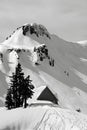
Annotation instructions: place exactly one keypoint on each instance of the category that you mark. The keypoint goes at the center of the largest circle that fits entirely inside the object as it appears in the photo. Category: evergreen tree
(9, 102)
(13, 98)
(20, 89)
(27, 90)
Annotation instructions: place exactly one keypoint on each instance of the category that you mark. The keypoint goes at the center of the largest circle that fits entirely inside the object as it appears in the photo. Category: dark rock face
(25, 29)
(42, 52)
(38, 30)
(1, 57)
(78, 110)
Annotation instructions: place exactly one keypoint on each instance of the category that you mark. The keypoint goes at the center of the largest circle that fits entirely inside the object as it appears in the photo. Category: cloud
(66, 18)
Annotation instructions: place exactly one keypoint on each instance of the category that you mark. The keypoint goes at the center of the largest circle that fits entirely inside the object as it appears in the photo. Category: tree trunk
(25, 103)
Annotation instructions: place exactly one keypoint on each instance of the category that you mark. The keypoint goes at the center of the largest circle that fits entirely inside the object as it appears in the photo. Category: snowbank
(42, 118)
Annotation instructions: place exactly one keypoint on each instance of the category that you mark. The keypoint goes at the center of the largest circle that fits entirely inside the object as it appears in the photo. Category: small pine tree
(20, 89)
(9, 102)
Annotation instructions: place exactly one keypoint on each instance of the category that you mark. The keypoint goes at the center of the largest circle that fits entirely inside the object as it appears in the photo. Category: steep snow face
(18, 40)
(49, 60)
(12, 59)
(49, 118)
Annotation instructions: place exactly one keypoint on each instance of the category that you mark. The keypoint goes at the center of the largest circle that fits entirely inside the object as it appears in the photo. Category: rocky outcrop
(37, 29)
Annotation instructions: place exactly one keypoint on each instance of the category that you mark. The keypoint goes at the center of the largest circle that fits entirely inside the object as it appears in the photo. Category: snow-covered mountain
(50, 61)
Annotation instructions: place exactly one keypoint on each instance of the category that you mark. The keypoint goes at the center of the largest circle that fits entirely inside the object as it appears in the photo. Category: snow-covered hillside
(44, 118)
(49, 60)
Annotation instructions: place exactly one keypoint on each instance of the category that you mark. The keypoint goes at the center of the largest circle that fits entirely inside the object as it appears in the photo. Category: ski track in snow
(53, 120)
(48, 118)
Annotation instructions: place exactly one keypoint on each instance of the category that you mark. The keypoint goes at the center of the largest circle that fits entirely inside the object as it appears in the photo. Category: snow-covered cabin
(44, 95)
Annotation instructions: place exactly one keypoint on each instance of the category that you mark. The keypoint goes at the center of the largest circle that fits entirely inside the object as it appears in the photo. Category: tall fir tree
(20, 89)
(27, 90)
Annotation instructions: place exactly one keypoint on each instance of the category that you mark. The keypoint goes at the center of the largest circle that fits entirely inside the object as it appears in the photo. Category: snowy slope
(49, 60)
(49, 118)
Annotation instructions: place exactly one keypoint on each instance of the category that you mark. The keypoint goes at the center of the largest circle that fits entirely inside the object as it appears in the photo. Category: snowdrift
(42, 118)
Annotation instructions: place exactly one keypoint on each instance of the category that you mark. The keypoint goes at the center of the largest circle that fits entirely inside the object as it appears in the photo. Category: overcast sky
(66, 18)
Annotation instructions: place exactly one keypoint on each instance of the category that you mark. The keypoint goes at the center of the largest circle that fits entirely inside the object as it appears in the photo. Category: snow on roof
(37, 92)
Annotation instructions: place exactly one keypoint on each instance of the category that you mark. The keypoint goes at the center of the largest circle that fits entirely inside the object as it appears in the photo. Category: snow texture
(42, 118)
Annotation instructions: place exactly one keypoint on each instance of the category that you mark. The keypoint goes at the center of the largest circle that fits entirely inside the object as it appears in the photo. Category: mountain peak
(37, 29)
(30, 29)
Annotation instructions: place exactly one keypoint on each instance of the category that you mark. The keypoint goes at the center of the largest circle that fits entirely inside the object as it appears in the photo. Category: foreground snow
(42, 118)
